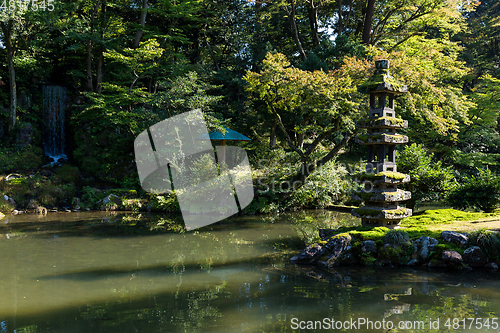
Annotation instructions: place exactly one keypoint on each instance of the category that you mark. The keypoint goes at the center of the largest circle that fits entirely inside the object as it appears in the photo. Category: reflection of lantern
(381, 195)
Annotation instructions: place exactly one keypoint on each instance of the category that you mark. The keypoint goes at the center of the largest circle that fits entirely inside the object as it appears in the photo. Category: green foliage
(444, 216)
(429, 179)
(20, 160)
(487, 240)
(396, 237)
(108, 125)
(68, 174)
(392, 254)
(164, 203)
(481, 191)
(273, 171)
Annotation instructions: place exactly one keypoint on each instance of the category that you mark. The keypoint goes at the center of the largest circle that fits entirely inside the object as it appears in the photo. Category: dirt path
(490, 224)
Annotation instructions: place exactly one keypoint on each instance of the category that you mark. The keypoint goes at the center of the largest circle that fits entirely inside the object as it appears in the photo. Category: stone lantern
(381, 195)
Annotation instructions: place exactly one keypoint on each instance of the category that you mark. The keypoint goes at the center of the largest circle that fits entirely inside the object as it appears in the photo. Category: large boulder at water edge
(308, 255)
(455, 237)
(474, 257)
(451, 257)
(423, 247)
(334, 248)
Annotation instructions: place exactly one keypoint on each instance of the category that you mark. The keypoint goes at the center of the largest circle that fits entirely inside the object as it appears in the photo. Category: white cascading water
(54, 106)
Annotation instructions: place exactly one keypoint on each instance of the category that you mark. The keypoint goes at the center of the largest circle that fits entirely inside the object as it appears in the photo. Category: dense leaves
(480, 191)
(282, 72)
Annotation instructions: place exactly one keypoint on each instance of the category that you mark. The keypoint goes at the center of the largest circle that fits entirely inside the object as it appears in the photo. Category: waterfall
(54, 106)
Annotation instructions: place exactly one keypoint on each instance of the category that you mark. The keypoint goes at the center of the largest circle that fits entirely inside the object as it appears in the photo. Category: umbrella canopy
(230, 135)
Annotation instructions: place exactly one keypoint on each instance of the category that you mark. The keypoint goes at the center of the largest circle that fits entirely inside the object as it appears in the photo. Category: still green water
(66, 272)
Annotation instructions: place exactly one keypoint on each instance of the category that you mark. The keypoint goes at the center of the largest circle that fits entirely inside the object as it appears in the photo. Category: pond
(65, 272)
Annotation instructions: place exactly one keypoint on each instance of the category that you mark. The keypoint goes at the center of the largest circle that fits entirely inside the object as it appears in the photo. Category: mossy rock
(384, 177)
(383, 122)
(382, 82)
(381, 214)
(382, 196)
(381, 139)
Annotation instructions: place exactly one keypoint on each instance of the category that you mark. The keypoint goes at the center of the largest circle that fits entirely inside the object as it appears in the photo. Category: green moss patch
(388, 174)
(366, 138)
(445, 216)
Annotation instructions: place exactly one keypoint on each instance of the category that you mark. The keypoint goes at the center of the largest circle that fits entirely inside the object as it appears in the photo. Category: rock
(423, 247)
(452, 257)
(334, 249)
(347, 257)
(309, 254)
(455, 237)
(436, 264)
(474, 257)
(109, 199)
(368, 246)
(324, 234)
(12, 202)
(13, 176)
(33, 204)
(41, 210)
(412, 262)
(491, 266)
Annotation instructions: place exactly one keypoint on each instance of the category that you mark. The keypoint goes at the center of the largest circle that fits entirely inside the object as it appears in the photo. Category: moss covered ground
(431, 223)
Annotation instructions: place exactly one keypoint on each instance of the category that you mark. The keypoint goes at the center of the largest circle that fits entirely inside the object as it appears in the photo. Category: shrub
(20, 160)
(396, 237)
(481, 191)
(486, 240)
(429, 179)
(68, 174)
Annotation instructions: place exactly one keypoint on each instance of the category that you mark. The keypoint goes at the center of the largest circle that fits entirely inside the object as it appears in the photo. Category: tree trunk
(308, 168)
(90, 85)
(100, 65)
(90, 47)
(100, 61)
(313, 22)
(340, 25)
(7, 33)
(142, 22)
(295, 30)
(272, 137)
(367, 27)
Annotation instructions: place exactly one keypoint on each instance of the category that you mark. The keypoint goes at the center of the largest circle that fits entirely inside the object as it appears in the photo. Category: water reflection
(230, 277)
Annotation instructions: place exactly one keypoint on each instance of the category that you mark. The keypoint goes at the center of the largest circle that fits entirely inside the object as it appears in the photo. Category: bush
(396, 237)
(481, 191)
(429, 180)
(21, 160)
(486, 240)
(325, 186)
(68, 174)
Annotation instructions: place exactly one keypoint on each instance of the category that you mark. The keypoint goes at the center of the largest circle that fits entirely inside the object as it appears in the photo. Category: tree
(16, 24)
(481, 191)
(309, 107)
(429, 180)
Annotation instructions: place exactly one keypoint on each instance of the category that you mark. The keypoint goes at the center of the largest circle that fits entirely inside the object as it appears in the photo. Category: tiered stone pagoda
(381, 195)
